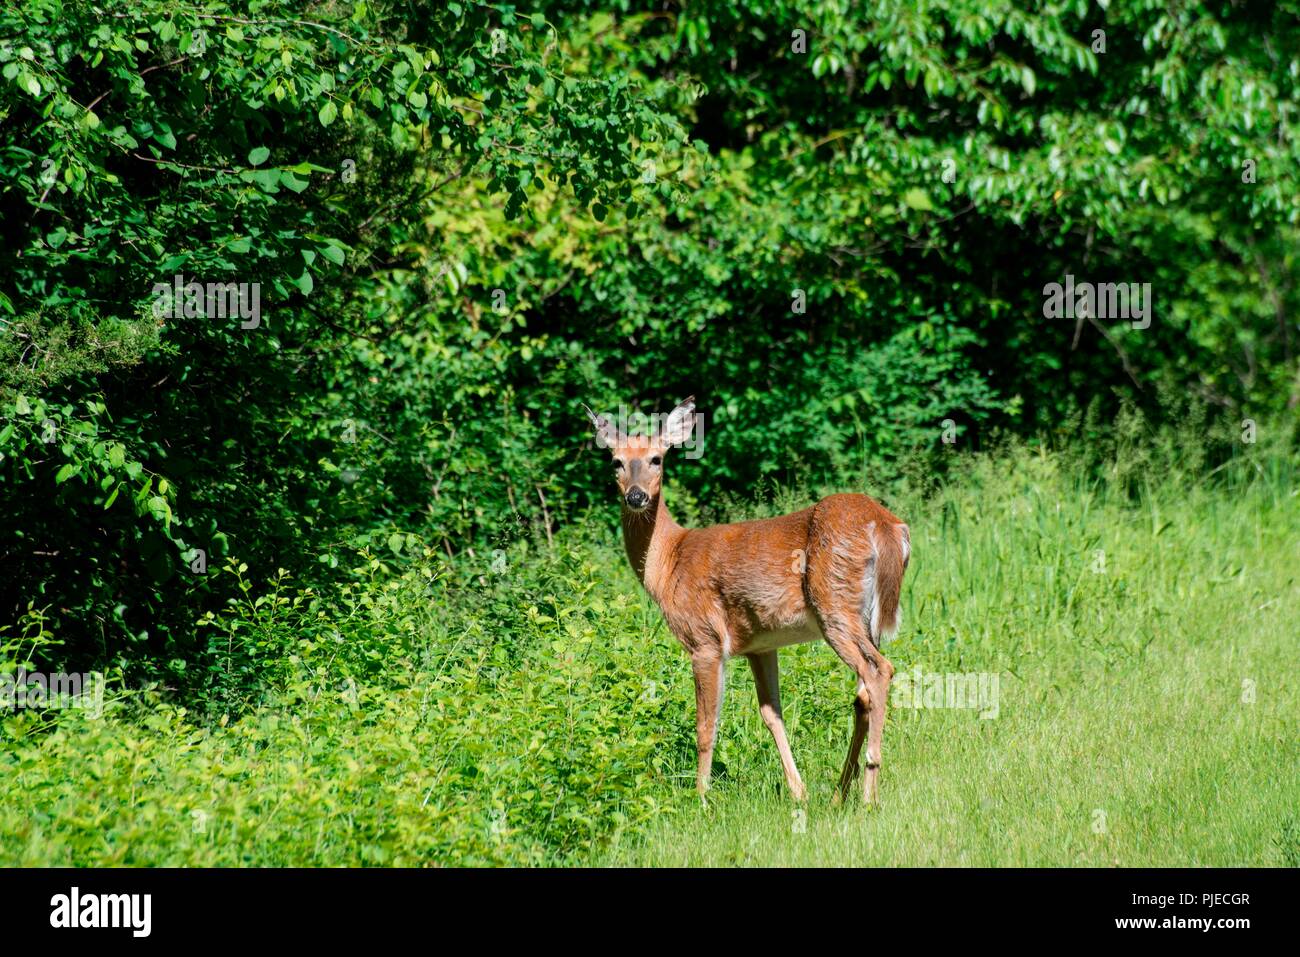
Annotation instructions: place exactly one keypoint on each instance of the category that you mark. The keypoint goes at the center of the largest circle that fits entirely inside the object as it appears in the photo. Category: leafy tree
(833, 223)
(281, 149)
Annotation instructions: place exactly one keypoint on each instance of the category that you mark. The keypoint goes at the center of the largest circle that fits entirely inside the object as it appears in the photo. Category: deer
(833, 571)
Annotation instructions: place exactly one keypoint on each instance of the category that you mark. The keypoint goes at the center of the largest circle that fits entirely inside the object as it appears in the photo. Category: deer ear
(680, 422)
(606, 434)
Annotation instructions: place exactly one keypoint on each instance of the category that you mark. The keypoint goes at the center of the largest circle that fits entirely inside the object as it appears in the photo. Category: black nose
(637, 498)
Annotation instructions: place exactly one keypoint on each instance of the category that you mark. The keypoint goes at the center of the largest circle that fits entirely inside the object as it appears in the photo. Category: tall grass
(1147, 710)
(535, 711)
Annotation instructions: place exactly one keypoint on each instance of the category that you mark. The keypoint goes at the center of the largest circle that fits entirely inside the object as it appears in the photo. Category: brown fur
(748, 588)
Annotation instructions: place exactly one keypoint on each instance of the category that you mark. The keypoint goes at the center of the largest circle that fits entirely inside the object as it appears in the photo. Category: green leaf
(268, 179)
(917, 199)
(65, 473)
(328, 113)
(258, 156)
(1028, 80)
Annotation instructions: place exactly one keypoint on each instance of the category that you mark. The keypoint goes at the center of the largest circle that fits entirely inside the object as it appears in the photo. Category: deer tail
(892, 545)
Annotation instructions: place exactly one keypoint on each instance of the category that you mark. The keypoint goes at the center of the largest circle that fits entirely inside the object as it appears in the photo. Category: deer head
(638, 459)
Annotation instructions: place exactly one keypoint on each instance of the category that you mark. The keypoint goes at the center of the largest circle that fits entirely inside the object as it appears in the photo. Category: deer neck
(651, 538)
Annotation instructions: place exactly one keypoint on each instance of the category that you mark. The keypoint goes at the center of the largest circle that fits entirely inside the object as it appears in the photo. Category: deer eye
(656, 460)
(618, 465)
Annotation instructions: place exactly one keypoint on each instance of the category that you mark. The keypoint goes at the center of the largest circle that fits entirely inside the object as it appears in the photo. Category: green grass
(1154, 762)
(1144, 646)
(1147, 711)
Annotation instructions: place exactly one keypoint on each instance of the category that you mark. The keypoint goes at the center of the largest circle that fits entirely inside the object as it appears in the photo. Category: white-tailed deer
(832, 571)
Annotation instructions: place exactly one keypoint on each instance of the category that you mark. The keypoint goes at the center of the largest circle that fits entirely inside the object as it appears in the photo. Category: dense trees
(832, 222)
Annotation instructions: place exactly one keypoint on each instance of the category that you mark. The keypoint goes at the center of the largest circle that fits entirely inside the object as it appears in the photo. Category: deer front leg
(851, 766)
(708, 667)
(767, 682)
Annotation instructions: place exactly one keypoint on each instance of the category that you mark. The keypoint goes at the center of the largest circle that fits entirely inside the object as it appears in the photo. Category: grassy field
(1147, 712)
(1142, 643)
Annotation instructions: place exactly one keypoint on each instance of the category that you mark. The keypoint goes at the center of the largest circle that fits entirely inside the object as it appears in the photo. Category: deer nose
(636, 498)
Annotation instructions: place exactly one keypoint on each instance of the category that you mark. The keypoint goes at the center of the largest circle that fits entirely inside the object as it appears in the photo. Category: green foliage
(537, 712)
(249, 144)
(499, 736)
(437, 228)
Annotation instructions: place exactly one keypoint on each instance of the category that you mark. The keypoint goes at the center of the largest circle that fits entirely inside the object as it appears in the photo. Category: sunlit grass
(1143, 645)
(1147, 711)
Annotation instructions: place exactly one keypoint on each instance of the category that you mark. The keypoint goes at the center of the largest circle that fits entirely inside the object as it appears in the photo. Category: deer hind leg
(767, 681)
(878, 699)
(709, 668)
(848, 636)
